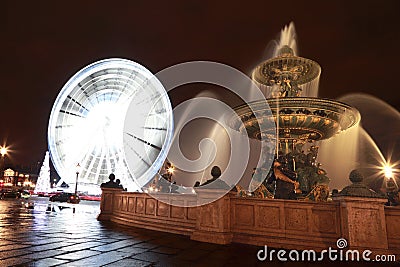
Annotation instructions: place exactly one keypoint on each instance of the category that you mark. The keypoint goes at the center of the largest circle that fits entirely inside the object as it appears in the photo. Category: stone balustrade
(365, 223)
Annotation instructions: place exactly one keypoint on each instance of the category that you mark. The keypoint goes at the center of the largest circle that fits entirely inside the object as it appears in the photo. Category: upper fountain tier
(286, 73)
(299, 115)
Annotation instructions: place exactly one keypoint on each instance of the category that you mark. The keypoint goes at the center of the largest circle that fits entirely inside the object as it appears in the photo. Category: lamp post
(3, 152)
(170, 170)
(78, 167)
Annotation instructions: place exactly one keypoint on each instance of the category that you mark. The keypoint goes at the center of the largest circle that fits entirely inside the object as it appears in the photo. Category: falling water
(310, 89)
(338, 156)
(205, 143)
(359, 147)
(380, 139)
(371, 160)
(190, 141)
(380, 120)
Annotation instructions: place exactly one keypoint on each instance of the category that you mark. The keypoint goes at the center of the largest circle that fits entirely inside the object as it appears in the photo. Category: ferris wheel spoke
(83, 90)
(139, 156)
(63, 126)
(103, 158)
(61, 141)
(155, 128)
(77, 102)
(70, 113)
(142, 159)
(89, 161)
(144, 141)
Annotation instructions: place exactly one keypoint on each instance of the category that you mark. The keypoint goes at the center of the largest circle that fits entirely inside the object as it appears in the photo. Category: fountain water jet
(332, 159)
(379, 132)
(287, 37)
(380, 120)
(203, 141)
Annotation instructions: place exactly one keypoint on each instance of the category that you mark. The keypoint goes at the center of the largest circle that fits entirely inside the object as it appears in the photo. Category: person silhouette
(119, 185)
(110, 183)
(214, 182)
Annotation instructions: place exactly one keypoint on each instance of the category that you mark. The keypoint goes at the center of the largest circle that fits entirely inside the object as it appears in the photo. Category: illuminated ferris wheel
(112, 116)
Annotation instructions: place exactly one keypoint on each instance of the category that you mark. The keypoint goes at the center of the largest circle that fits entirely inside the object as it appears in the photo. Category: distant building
(17, 178)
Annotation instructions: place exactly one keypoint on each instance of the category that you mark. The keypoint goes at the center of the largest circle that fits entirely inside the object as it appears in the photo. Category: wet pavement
(60, 234)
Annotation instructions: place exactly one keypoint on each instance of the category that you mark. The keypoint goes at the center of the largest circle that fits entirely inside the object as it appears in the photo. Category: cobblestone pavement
(61, 235)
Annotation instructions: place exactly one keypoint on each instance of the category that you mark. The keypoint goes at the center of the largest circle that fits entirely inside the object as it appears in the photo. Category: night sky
(43, 43)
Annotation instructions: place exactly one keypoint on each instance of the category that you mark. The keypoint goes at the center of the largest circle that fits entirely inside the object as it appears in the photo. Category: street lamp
(78, 168)
(3, 152)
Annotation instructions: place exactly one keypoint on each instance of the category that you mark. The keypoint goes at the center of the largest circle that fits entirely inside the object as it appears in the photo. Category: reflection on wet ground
(35, 211)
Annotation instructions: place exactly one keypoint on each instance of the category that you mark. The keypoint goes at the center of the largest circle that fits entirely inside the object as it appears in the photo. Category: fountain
(289, 83)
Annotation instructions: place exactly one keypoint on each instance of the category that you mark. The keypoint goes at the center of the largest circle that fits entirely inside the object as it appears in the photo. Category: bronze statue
(285, 187)
(392, 193)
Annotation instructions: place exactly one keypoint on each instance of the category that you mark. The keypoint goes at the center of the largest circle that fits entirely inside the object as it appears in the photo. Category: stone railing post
(213, 219)
(362, 212)
(363, 222)
(107, 203)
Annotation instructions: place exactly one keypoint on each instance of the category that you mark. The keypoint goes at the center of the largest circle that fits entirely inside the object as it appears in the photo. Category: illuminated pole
(388, 171)
(3, 152)
(392, 190)
(170, 171)
(78, 166)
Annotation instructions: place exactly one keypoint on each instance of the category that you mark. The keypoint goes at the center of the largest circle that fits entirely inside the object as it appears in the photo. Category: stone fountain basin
(304, 118)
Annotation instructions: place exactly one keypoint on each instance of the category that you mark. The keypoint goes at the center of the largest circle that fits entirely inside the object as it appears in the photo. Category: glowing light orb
(170, 170)
(94, 118)
(388, 171)
(3, 151)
